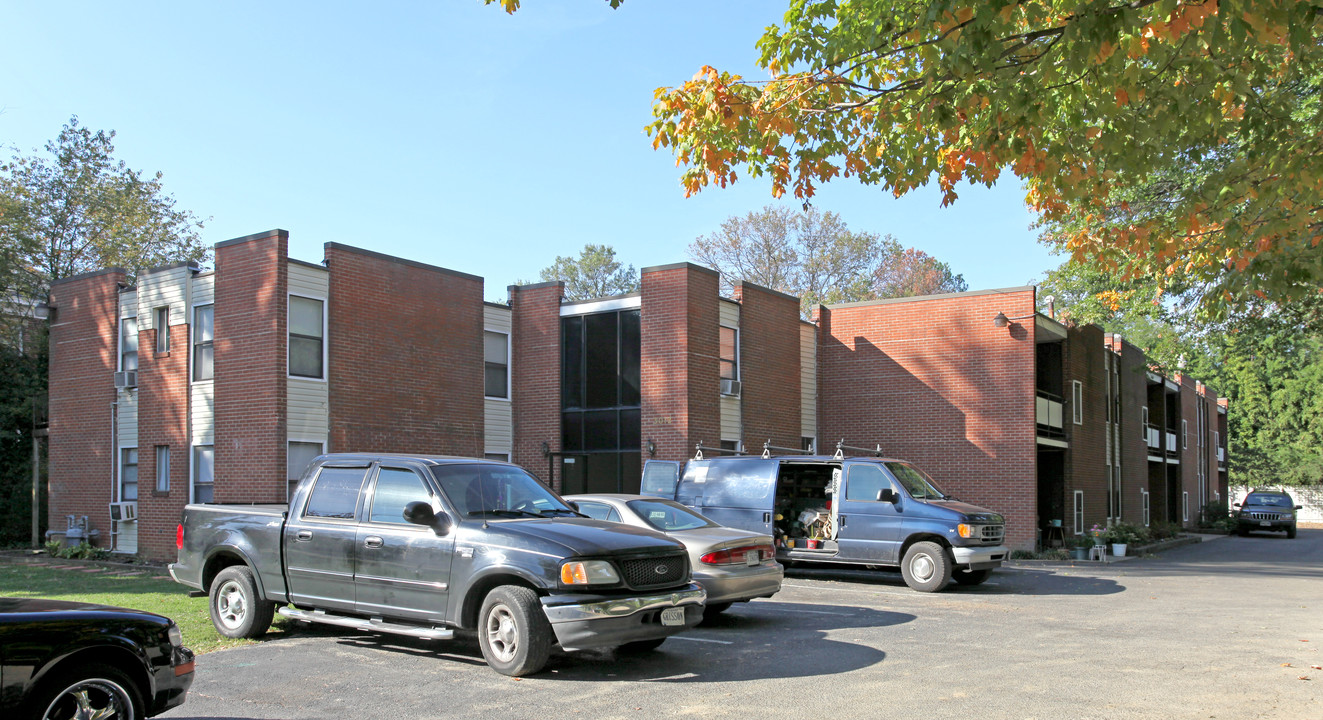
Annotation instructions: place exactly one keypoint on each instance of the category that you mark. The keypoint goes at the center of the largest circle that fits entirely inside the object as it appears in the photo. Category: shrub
(81, 551)
(1128, 533)
(1213, 514)
(1164, 530)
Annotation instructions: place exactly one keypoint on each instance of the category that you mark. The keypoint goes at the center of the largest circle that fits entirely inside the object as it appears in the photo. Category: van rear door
(660, 478)
(735, 492)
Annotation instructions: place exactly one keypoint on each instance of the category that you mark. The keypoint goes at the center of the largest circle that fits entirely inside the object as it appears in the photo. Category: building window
(204, 473)
(1077, 401)
(1143, 425)
(128, 474)
(1185, 434)
(305, 337)
(808, 445)
(297, 459)
(1143, 494)
(730, 353)
(162, 468)
(128, 344)
(1185, 507)
(731, 446)
(503, 457)
(601, 415)
(496, 351)
(161, 321)
(1079, 512)
(204, 335)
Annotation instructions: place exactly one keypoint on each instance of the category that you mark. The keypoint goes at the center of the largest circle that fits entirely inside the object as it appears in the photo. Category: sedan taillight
(739, 555)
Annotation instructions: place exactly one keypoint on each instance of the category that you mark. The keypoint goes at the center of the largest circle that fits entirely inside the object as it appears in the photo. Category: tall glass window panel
(602, 366)
(305, 337)
(630, 347)
(204, 473)
(496, 351)
(204, 335)
(162, 468)
(571, 362)
(128, 344)
(729, 354)
(128, 475)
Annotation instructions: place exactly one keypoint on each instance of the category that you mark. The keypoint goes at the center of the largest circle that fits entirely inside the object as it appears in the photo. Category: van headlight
(970, 531)
(588, 572)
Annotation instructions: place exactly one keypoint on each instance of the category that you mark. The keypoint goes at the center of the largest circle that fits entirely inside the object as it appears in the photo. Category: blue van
(828, 508)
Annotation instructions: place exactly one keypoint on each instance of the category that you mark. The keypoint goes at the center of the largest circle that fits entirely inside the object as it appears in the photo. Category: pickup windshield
(497, 491)
(916, 482)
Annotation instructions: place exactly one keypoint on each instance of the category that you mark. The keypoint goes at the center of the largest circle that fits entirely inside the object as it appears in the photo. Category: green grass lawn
(132, 586)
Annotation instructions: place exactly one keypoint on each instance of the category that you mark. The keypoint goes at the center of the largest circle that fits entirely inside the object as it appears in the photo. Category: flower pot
(1079, 553)
(1118, 549)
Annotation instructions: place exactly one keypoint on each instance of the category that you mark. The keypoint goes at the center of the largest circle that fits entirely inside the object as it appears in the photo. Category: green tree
(595, 273)
(816, 257)
(1091, 103)
(77, 208)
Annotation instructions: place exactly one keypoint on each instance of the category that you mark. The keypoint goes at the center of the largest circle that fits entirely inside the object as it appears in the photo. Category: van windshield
(916, 482)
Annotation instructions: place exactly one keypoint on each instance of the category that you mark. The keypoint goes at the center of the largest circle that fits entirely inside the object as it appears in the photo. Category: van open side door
(660, 478)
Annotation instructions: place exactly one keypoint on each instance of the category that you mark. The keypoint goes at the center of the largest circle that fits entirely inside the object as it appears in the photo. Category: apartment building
(220, 386)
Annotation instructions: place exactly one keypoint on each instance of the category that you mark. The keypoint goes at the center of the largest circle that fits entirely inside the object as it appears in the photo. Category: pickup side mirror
(420, 513)
(887, 495)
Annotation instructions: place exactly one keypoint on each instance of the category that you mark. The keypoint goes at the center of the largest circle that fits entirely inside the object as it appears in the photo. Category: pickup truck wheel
(926, 567)
(971, 577)
(513, 631)
(236, 609)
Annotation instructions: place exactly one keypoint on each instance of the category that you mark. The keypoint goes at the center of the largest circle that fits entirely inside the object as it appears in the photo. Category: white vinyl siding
(306, 408)
(498, 419)
(310, 281)
(126, 431)
(808, 380)
(163, 289)
(728, 315)
(202, 410)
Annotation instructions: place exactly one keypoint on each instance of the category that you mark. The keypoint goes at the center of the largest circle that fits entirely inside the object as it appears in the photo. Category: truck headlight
(588, 572)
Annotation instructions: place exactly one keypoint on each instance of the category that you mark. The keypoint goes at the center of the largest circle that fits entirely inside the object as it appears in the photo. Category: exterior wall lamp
(1001, 321)
(652, 448)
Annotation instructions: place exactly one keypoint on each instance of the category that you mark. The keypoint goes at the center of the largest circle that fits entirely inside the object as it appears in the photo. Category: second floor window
(305, 337)
(204, 333)
(128, 344)
(730, 355)
(496, 349)
(161, 321)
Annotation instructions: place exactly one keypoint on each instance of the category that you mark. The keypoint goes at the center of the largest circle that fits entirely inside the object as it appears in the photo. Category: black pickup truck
(421, 546)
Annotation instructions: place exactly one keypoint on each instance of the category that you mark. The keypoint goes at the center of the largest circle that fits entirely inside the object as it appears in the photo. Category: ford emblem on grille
(661, 569)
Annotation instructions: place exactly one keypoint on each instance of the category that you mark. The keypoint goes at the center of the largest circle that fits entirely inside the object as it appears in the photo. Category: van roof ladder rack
(700, 447)
(841, 447)
(768, 447)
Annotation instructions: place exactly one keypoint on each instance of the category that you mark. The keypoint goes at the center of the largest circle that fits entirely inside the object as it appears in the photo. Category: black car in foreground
(1266, 510)
(66, 660)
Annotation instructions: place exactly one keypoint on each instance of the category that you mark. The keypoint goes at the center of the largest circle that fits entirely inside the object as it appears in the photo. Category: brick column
(770, 360)
(680, 368)
(163, 388)
(535, 374)
(252, 284)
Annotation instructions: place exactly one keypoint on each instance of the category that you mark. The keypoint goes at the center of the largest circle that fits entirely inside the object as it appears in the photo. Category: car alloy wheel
(91, 699)
(502, 633)
(231, 604)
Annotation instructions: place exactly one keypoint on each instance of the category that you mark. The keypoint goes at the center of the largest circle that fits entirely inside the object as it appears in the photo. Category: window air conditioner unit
(730, 387)
(124, 511)
(126, 379)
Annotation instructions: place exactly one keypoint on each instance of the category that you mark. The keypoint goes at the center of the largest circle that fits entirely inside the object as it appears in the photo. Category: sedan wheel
(91, 693)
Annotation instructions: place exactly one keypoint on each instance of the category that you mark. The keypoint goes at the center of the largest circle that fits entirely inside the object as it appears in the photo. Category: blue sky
(445, 132)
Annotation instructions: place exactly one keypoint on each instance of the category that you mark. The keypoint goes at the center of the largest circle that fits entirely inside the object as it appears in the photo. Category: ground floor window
(1143, 495)
(1079, 512)
(128, 474)
(162, 468)
(297, 459)
(1185, 507)
(503, 457)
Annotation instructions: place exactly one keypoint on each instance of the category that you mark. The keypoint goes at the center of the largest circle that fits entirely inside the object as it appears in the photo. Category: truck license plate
(1264, 523)
(673, 616)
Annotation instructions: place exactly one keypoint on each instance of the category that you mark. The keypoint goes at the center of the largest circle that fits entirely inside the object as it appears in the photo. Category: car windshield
(916, 482)
(498, 491)
(668, 515)
(1274, 500)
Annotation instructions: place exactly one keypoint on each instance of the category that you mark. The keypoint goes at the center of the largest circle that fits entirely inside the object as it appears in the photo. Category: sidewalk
(113, 567)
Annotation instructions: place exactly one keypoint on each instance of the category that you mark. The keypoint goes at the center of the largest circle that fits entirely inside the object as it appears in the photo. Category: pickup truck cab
(855, 510)
(423, 545)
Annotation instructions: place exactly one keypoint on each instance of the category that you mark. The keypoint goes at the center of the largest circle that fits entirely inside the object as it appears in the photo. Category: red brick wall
(1134, 448)
(163, 388)
(680, 371)
(406, 356)
(1187, 443)
(535, 374)
(251, 301)
(936, 383)
(83, 358)
(769, 354)
(1086, 459)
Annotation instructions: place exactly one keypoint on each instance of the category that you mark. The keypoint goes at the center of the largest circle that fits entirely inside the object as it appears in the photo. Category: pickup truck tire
(236, 609)
(971, 577)
(513, 632)
(926, 567)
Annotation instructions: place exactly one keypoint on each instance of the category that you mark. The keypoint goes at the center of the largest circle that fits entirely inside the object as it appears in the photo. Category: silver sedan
(732, 565)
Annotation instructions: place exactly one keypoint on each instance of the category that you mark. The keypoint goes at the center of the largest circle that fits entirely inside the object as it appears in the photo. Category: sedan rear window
(666, 516)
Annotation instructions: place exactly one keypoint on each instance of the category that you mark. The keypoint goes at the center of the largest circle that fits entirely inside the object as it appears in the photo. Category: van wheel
(236, 609)
(513, 631)
(926, 567)
(971, 577)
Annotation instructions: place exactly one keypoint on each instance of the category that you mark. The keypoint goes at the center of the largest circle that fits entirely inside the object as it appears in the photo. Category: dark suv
(1266, 510)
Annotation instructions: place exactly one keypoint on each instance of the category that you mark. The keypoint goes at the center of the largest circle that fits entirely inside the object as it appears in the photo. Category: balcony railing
(1221, 456)
(1171, 443)
(1153, 437)
(1048, 415)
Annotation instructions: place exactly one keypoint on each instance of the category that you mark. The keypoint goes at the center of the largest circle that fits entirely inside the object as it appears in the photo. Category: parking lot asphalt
(1222, 629)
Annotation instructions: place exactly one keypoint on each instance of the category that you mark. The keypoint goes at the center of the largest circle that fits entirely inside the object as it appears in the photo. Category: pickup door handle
(372, 541)
(303, 535)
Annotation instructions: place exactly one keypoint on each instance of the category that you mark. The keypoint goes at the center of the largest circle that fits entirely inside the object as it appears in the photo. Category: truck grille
(993, 534)
(664, 571)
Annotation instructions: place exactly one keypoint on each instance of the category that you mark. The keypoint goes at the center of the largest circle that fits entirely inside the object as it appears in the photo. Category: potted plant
(1121, 535)
(1080, 549)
